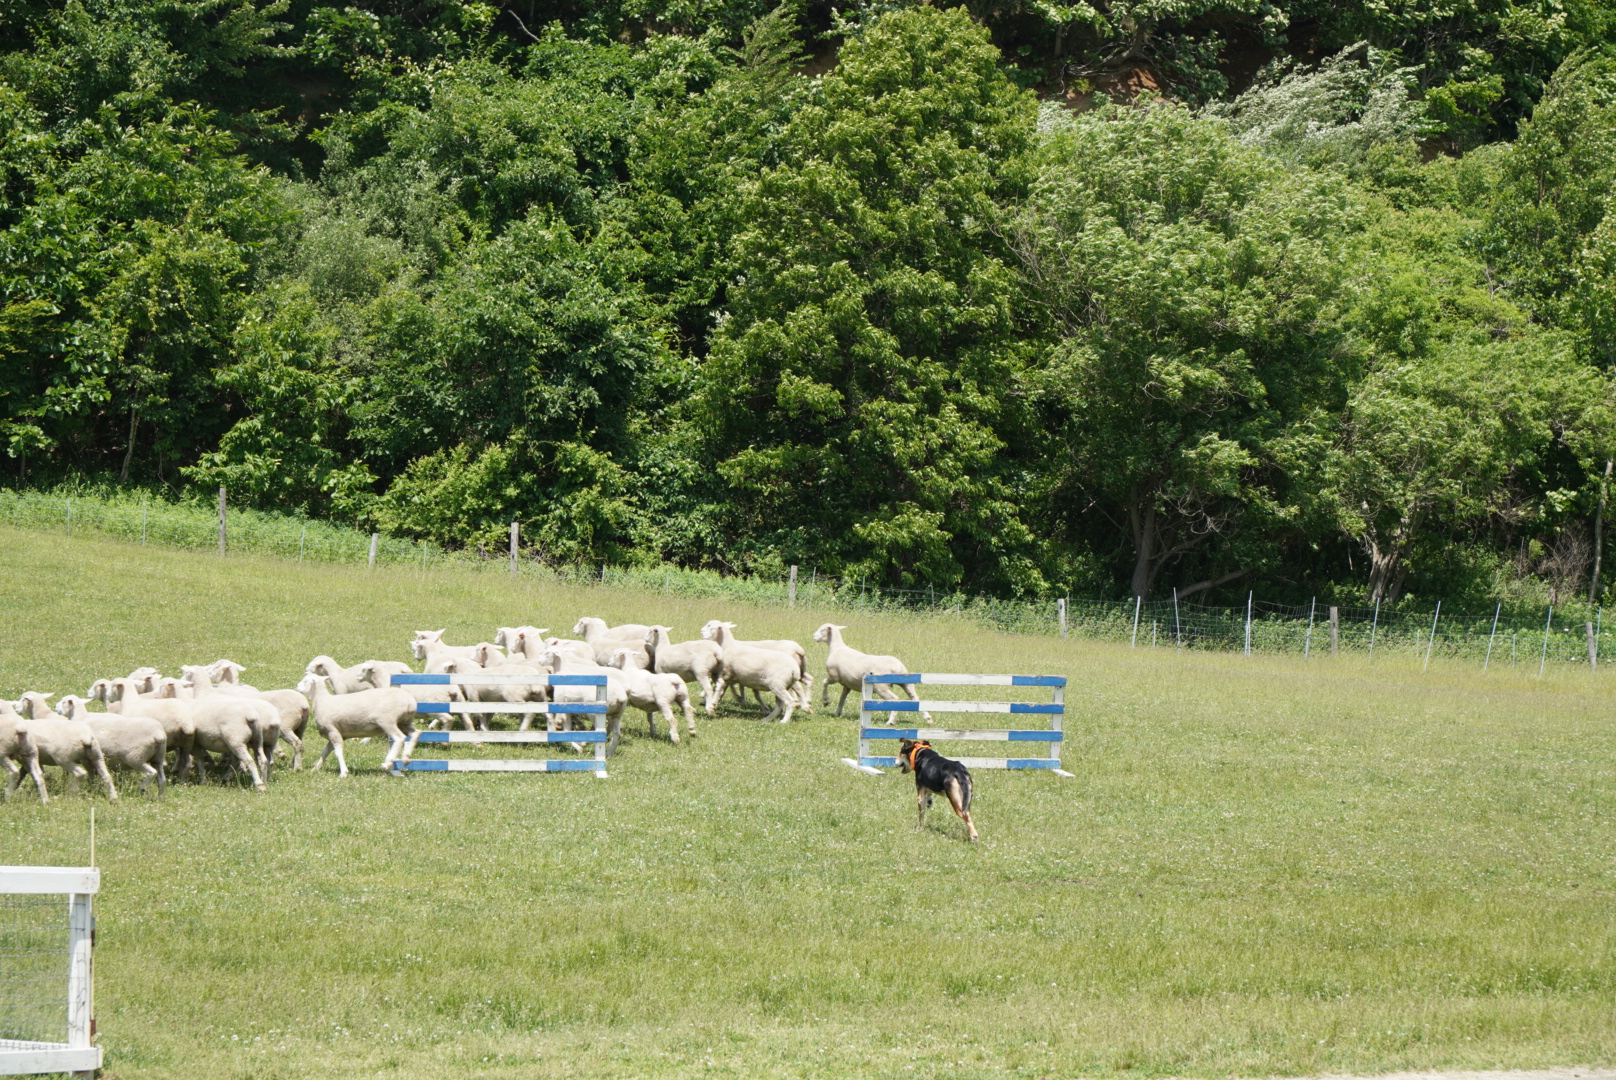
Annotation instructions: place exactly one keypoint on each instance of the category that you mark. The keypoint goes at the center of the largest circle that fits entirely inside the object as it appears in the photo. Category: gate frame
(79, 1055)
(1051, 737)
(596, 708)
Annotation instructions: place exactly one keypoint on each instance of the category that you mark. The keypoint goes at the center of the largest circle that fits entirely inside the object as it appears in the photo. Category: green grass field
(1264, 867)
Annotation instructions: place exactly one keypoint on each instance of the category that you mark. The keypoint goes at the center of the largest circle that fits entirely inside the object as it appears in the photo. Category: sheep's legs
(690, 718)
(614, 724)
(718, 694)
(705, 681)
(297, 749)
(245, 757)
(148, 774)
(845, 691)
(650, 724)
(395, 747)
(105, 774)
(673, 724)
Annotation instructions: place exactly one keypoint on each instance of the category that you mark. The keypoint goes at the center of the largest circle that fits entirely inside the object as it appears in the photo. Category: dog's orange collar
(914, 750)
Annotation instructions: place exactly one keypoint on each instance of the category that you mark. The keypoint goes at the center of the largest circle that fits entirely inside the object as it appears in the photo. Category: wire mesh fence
(1314, 629)
(34, 963)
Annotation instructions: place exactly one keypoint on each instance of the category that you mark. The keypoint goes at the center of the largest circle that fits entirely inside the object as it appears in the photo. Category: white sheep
(19, 752)
(694, 661)
(179, 729)
(655, 692)
(65, 743)
(846, 667)
(128, 742)
(343, 680)
(378, 674)
(268, 724)
(370, 712)
(560, 663)
(291, 707)
(787, 647)
(604, 640)
(145, 678)
(759, 669)
(233, 724)
(428, 647)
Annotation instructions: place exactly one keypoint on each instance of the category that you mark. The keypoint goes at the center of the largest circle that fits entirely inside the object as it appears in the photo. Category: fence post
(1133, 642)
(1335, 630)
(1490, 638)
(516, 539)
(1373, 626)
(1178, 631)
(1307, 643)
(791, 587)
(302, 537)
(1593, 645)
(371, 562)
(1544, 658)
(221, 518)
(1432, 639)
(1249, 595)
(1060, 606)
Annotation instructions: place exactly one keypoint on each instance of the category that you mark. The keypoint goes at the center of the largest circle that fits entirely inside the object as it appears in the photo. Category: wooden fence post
(221, 518)
(1593, 645)
(1335, 630)
(516, 539)
(1061, 605)
(791, 587)
(374, 537)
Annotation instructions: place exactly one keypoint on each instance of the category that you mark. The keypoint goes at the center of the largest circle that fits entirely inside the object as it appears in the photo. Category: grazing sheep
(19, 752)
(604, 640)
(710, 632)
(759, 669)
(65, 743)
(846, 667)
(655, 692)
(370, 712)
(179, 728)
(694, 661)
(127, 742)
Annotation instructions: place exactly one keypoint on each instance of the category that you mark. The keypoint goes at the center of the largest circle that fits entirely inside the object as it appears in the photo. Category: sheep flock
(207, 720)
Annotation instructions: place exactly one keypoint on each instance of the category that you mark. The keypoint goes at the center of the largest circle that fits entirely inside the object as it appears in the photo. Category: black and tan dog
(937, 775)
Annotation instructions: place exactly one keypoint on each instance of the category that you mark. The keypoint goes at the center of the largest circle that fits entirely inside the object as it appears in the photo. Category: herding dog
(937, 775)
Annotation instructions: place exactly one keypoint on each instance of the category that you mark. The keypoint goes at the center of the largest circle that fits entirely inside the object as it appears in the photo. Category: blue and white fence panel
(874, 710)
(407, 762)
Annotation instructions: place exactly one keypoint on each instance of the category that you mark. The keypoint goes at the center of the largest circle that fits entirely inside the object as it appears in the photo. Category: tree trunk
(1142, 523)
(129, 454)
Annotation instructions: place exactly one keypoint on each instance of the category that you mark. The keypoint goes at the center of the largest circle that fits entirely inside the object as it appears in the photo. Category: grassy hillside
(1263, 867)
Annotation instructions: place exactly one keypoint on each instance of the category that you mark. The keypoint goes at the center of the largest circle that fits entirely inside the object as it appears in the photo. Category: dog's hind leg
(923, 801)
(959, 797)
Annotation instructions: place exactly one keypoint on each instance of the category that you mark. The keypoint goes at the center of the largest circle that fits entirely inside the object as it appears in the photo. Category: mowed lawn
(1263, 866)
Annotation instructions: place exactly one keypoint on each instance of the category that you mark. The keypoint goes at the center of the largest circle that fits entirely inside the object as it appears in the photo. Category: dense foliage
(1314, 294)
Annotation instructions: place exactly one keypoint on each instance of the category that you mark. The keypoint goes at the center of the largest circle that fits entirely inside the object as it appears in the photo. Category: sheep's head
(487, 651)
(823, 633)
(171, 688)
(73, 707)
(424, 638)
(225, 671)
(582, 627)
(145, 678)
(657, 636)
(34, 705)
(100, 690)
(620, 659)
(307, 683)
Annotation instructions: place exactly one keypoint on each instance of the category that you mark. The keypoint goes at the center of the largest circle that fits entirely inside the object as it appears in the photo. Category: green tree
(854, 398)
(1197, 287)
